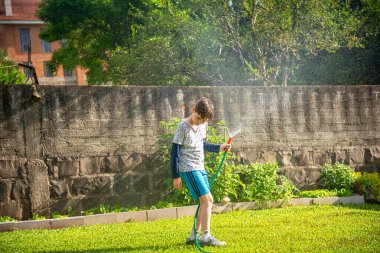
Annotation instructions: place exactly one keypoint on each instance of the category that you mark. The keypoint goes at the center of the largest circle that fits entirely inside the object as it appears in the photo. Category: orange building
(19, 25)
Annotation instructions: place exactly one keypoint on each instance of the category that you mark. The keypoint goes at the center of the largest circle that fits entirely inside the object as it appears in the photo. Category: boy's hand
(177, 183)
(225, 147)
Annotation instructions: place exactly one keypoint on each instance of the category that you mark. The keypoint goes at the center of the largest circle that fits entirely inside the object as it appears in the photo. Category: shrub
(264, 184)
(368, 184)
(36, 216)
(9, 75)
(337, 177)
(6, 218)
(323, 193)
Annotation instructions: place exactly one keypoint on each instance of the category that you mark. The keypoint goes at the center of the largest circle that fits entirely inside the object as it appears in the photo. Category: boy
(187, 163)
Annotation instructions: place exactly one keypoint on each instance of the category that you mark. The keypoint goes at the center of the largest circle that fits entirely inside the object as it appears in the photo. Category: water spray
(211, 182)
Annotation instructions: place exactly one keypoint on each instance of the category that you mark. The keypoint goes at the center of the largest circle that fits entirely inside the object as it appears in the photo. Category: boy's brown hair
(205, 108)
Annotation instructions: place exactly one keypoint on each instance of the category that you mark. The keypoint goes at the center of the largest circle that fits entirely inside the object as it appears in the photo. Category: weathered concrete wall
(86, 146)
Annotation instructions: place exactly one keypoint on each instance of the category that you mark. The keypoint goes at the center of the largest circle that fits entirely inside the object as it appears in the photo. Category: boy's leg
(197, 183)
(204, 216)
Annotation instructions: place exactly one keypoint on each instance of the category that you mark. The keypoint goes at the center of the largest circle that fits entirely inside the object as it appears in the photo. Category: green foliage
(264, 184)
(57, 215)
(36, 216)
(9, 72)
(92, 29)
(347, 65)
(312, 229)
(323, 193)
(6, 219)
(187, 42)
(337, 177)
(368, 184)
(70, 211)
(102, 209)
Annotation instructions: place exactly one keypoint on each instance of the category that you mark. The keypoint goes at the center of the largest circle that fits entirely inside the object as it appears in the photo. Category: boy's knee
(207, 199)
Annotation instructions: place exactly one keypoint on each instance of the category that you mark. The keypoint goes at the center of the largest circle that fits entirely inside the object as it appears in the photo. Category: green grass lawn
(292, 229)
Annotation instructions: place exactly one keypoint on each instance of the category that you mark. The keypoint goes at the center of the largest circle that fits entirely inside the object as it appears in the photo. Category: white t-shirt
(191, 153)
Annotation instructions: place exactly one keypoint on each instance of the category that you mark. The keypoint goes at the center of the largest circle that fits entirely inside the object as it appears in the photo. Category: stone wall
(85, 146)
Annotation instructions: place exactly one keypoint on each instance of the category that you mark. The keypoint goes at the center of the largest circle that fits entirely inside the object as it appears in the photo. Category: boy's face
(197, 119)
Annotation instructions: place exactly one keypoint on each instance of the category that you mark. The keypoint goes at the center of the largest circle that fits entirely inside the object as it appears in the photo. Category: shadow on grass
(122, 249)
(369, 206)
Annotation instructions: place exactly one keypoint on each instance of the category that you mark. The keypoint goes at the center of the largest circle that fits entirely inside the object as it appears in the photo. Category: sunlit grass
(293, 229)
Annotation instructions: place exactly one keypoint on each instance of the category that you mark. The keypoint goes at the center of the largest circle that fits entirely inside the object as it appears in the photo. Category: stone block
(67, 222)
(327, 201)
(285, 157)
(166, 213)
(109, 164)
(186, 211)
(89, 165)
(301, 201)
(129, 162)
(135, 216)
(221, 208)
(67, 168)
(244, 206)
(58, 189)
(320, 157)
(100, 219)
(7, 226)
(339, 156)
(356, 156)
(375, 154)
(296, 175)
(312, 177)
(7, 169)
(250, 156)
(20, 190)
(91, 185)
(39, 187)
(356, 200)
(34, 224)
(5, 190)
(300, 158)
(269, 156)
(11, 209)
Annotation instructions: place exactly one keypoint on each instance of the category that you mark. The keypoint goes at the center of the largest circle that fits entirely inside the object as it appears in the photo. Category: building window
(67, 73)
(47, 70)
(25, 38)
(46, 48)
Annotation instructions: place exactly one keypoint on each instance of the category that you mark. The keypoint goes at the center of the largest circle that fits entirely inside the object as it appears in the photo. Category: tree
(182, 42)
(270, 36)
(90, 29)
(348, 65)
(9, 73)
(235, 42)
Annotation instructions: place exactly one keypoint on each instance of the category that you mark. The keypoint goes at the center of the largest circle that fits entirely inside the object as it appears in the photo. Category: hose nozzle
(228, 142)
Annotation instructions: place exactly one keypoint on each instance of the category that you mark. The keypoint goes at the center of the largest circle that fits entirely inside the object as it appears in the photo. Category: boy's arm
(174, 160)
(209, 147)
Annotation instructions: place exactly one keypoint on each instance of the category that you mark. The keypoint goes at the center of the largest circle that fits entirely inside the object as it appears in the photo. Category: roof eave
(22, 22)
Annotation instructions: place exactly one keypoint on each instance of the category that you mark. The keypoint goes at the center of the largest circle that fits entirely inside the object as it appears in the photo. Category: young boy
(187, 164)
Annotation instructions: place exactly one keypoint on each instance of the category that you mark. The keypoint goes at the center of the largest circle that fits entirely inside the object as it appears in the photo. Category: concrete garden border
(166, 213)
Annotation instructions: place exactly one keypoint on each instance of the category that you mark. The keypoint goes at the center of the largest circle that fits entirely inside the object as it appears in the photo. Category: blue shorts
(197, 182)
